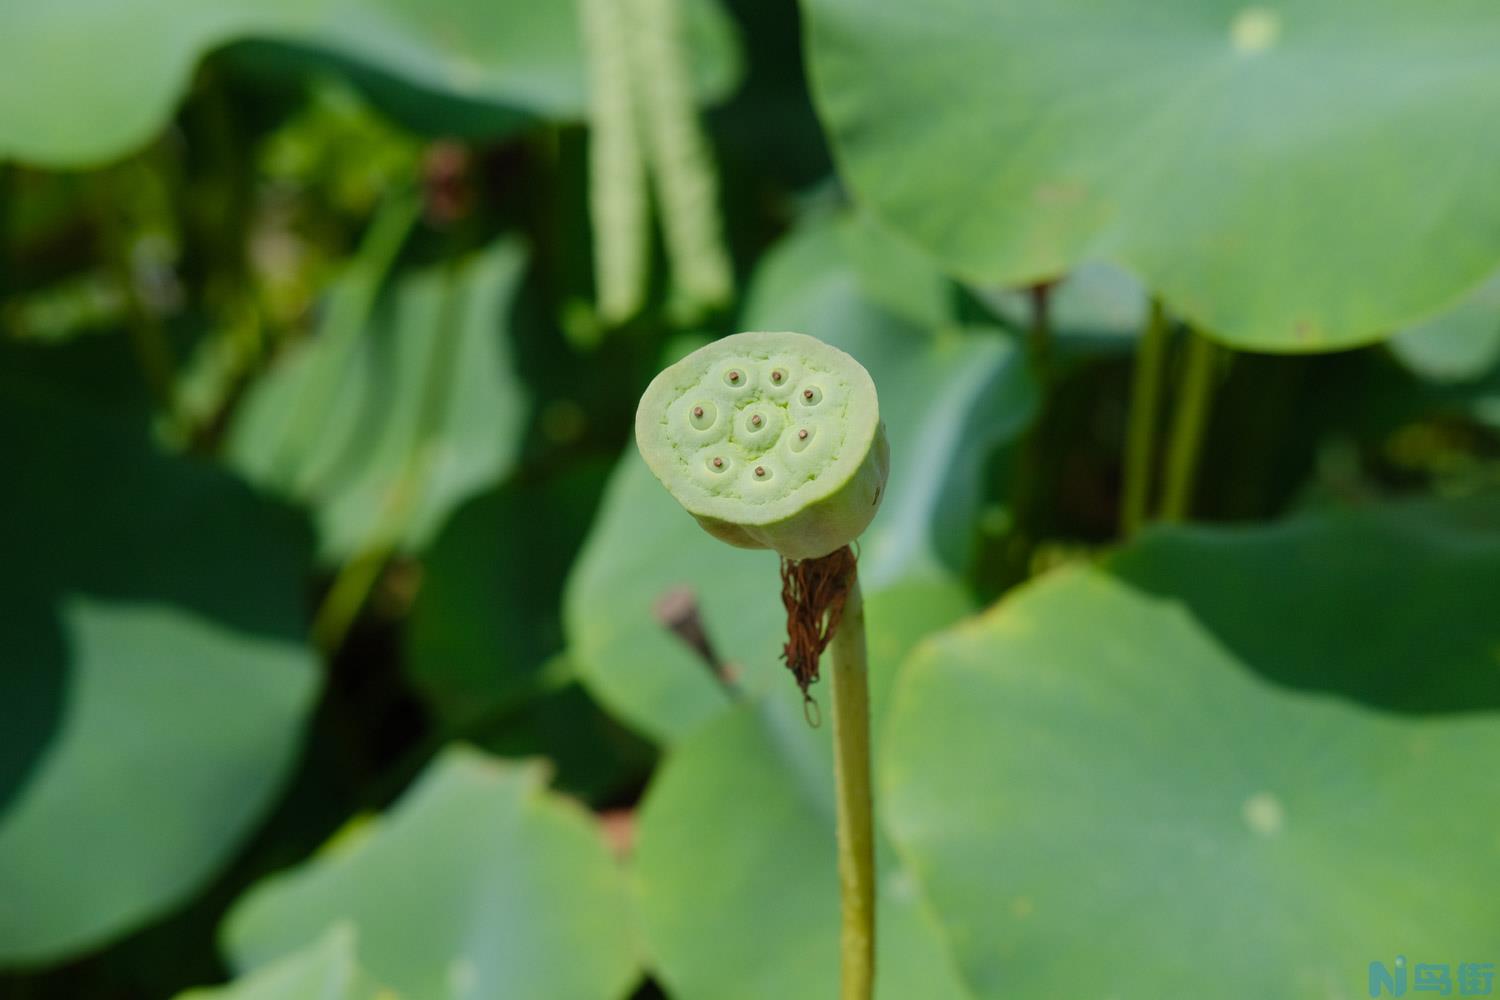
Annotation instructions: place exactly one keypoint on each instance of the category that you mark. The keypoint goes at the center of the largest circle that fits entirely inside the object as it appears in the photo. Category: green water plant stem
(148, 338)
(1140, 433)
(1188, 427)
(856, 828)
(357, 579)
(1039, 335)
(348, 312)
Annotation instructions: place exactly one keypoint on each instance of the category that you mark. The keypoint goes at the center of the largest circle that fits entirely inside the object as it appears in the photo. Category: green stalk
(351, 302)
(357, 578)
(856, 831)
(352, 586)
(1039, 336)
(148, 339)
(1187, 430)
(1140, 434)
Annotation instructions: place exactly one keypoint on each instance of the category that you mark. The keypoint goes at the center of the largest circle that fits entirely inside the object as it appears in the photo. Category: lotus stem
(1188, 429)
(856, 830)
(1145, 407)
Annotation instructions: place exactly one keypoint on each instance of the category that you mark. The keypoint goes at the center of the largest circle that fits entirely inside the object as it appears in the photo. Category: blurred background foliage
(350, 652)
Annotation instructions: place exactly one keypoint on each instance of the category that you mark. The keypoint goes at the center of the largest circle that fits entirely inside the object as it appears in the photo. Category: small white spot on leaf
(1264, 815)
(1254, 29)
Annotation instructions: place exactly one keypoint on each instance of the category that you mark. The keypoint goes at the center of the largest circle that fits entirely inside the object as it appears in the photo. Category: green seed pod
(617, 169)
(682, 165)
(770, 440)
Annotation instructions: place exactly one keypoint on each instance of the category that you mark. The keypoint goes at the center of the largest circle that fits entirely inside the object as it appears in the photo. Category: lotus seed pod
(770, 440)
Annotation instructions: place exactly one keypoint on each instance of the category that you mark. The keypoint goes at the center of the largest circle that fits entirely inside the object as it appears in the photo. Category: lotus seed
(703, 416)
(805, 498)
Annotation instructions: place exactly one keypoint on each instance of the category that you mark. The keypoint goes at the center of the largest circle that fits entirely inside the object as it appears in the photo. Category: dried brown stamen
(813, 591)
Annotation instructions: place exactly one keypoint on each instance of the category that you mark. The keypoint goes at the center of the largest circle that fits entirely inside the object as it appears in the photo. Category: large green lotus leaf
(1102, 793)
(102, 78)
(324, 970)
(479, 882)
(638, 553)
(486, 618)
(946, 399)
(593, 756)
(1289, 177)
(843, 270)
(1390, 605)
(384, 433)
(1461, 345)
(892, 273)
(738, 885)
(155, 680)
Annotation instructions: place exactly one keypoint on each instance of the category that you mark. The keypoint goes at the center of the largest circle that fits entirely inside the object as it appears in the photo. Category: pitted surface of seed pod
(771, 440)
